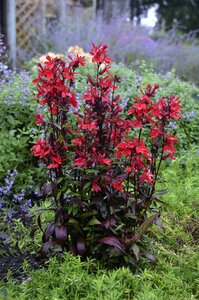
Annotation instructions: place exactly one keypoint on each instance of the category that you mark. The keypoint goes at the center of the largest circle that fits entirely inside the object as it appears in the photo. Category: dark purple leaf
(39, 222)
(73, 250)
(61, 235)
(81, 247)
(160, 201)
(145, 225)
(47, 189)
(112, 241)
(46, 246)
(160, 225)
(77, 202)
(150, 257)
(48, 231)
(122, 176)
(159, 194)
(58, 213)
(109, 222)
(33, 230)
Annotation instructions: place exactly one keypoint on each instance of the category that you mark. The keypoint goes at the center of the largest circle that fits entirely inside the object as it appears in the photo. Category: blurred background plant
(164, 33)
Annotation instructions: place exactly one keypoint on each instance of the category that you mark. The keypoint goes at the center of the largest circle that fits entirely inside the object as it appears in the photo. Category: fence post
(11, 31)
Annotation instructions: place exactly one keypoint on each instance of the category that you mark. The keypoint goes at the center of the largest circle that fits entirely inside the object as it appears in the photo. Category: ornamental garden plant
(102, 169)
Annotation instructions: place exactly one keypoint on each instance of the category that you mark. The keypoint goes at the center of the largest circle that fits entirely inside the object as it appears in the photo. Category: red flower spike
(99, 54)
(76, 61)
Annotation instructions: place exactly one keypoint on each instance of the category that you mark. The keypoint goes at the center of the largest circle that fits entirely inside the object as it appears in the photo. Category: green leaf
(91, 171)
(75, 224)
(89, 214)
(86, 186)
(131, 216)
(60, 179)
(136, 251)
(94, 221)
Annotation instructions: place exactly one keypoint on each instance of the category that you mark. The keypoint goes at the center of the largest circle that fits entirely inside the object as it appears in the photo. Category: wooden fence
(32, 17)
(28, 12)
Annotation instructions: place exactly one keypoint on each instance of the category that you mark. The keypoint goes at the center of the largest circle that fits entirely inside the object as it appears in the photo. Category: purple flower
(189, 115)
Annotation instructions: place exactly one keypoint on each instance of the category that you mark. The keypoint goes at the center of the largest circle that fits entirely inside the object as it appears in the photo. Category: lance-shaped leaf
(81, 247)
(39, 222)
(61, 235)
(112, 241)
(111, 221)
(73, 250)
(159, 194)
(93, 222)
(136, 251)
(46, 246)
(48, 231)
(145, 225)
(160, 225)
(48, 189)
(150, 257)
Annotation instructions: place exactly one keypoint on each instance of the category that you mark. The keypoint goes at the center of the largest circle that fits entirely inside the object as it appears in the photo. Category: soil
(12, 259)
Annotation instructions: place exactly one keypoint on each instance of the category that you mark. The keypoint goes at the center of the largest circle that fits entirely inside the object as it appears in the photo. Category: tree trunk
(135, 10)
(108, 7)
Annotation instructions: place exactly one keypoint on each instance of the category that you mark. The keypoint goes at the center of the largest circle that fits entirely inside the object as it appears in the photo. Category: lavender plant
(127, 42)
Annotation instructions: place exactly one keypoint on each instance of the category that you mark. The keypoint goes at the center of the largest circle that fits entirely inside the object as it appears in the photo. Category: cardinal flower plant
(103, 168)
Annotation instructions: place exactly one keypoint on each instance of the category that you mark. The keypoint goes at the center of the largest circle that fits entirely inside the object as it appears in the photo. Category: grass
(176, 275)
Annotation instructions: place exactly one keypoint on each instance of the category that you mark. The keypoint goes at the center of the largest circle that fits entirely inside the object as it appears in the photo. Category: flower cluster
(54, 85)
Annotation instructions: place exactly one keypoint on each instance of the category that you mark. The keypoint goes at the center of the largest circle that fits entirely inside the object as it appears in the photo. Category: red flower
(167, 108)
(68, 74)
(96, 187)
(72, 99)
(103, 161)
(147, 177)
(51, 166)
(80, 162)
(141, 111)
(39, 119)
(117, 184)
(99, 54)
(78, 141)
(125, 148)
(168, 147)
(175, 106)
(76, 61)
(41, 148)
(128, 170)
(90, 127)
(156, 132)
(150, 92)
(55, 157)
(142, 149)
